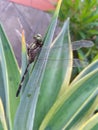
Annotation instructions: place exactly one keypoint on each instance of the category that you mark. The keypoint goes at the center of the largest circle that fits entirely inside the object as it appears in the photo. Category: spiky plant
(48, 100)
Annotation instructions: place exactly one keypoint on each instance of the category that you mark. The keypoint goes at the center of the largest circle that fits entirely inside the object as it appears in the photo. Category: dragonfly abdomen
(21, 83)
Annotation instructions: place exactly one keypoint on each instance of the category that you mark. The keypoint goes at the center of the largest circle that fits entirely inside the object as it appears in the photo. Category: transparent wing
(82, 43)
(76, 62)
(75, 45)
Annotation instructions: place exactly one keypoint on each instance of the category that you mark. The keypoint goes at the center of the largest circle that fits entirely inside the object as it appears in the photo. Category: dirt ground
(14, 17)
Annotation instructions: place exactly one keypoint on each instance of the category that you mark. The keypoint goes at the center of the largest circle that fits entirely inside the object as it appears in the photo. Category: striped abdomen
(21, 82)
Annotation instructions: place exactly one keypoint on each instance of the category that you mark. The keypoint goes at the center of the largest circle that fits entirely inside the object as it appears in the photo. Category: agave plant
(48, 99)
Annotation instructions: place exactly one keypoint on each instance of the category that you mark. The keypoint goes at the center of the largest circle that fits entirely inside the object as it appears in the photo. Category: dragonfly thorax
(34, 48)
(38, 38)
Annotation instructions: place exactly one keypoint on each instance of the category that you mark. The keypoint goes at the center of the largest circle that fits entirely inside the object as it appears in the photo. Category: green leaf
(29, 98)
(92, 24)
(2, 117)
(86, 112)
(93, 32)
(68, 106)
(11, 76)
(57, 74)
(24, 61)
(2, 90)
(95, 58)
(24, 53)
(5, 83)
(1, 127)
(91, 124)
(87, 70)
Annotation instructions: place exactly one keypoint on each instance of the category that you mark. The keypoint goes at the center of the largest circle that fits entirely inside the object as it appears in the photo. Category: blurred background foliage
(83, 25)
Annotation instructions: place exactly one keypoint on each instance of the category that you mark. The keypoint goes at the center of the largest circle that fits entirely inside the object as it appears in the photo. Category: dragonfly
(34, 49)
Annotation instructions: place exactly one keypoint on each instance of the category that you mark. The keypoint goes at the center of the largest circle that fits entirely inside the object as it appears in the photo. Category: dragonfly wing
(82, 43)
(79, 63)
(55, 58)
(75, 45)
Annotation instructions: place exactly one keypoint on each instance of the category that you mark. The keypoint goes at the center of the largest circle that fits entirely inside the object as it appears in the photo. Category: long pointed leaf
(24, 61)
(2, 117)
(92, 124)
(25, 118)
(65, 108)
(5, 82)
(57, 74)
(87, 113)
(2, 90)
(12, 71)
(87, 70)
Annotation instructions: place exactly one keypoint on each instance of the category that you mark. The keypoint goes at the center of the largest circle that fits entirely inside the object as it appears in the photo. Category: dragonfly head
(38, 38)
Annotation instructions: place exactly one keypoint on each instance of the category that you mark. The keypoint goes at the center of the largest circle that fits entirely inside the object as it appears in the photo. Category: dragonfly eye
(38, 37)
